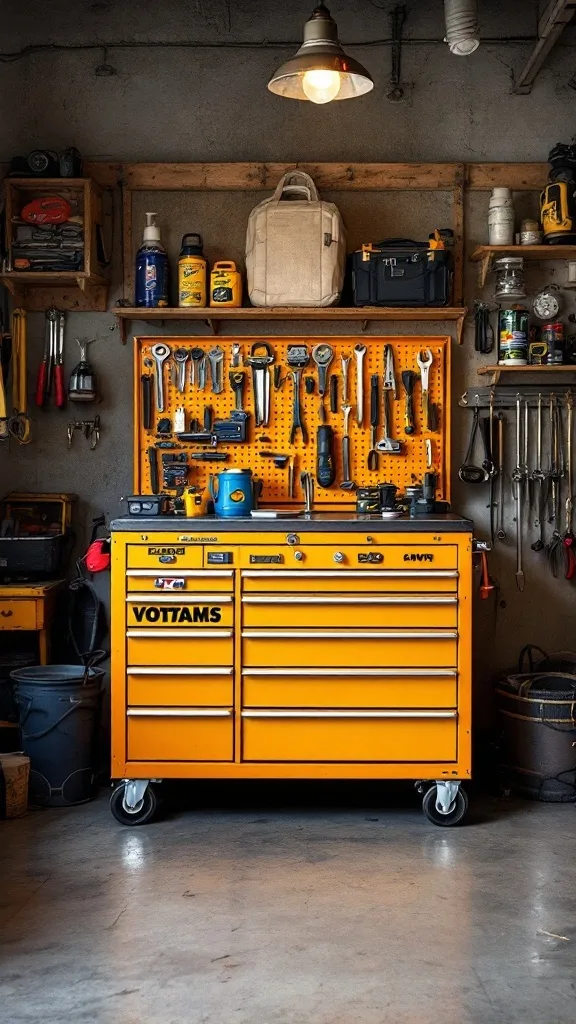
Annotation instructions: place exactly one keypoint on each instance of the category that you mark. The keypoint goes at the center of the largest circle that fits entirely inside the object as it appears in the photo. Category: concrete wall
(210, 104)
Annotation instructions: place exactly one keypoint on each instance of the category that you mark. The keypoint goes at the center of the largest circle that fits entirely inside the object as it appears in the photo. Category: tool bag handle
(401, 242)
(296, 181)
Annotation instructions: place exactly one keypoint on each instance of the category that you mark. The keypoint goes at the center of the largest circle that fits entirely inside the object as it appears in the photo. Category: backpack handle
(296, 181)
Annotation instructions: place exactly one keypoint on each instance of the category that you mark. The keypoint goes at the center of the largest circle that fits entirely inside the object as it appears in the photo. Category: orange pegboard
(401, 470)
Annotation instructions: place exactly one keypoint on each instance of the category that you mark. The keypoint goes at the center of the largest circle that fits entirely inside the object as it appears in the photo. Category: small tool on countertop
(359, 354)
(374, 410)
(408, 382)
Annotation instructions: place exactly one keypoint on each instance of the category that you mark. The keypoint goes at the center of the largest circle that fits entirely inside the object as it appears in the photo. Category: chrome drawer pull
(180, 634)
(388, 574)
(352, 673)
(322, 599)
(272, 634)
(349, 714)
(179, 712)
(199, 574)
(168, 670)
(180, 597)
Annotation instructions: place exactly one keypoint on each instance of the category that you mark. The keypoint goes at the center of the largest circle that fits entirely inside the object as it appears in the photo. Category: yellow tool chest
(325, 647)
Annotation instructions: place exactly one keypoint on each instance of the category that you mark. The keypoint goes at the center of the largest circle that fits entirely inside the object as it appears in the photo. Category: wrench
(518, 480)
(389, 375)
(260, 365)
(345, 368)
(322, 355)
(424, 360)
(500, 531)
(198, 368)
(180, 358)
(347, 484)
(236, 355)
(160, 354)
(297, 423)
(216, 360)
(359, 353)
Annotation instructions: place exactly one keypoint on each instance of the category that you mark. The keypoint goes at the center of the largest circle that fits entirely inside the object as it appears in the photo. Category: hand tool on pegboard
(198, 362)
(160, 354)
(408, 382)
(216, 364)
(425, 360)
(325, 467)
(568, 539)
(181, 358)
(260, 365)
(500, 530)
(347, 483)
(322, 355)
(359, 355)
(374, 410)
(469, 472)
(51, 368)
(236, 378)
(518, 480)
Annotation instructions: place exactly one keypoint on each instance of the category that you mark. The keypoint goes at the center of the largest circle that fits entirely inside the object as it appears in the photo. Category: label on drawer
(168, 610)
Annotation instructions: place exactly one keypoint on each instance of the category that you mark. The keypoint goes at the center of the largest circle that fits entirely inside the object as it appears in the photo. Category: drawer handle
(273, 634)
(180, 634)
(381, 574)
(179, 713)
(6, 615)
(349, 714)
(169, 670)
(181, 597)
(352, 673)
(344, 599)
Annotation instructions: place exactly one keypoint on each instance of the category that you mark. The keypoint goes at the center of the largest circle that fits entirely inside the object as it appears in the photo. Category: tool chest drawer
(209, 686)
(164, 556)
(346, 647)
(348, 556)
(17, 614)
(403, 735)
(363, 611)
(182, 611)
(179, 647)
(342, 581)
(180, 734)
(346, 688)
(197, 580)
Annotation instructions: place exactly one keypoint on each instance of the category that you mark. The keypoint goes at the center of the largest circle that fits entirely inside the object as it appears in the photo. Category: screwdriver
(373, 454)
(408, 381)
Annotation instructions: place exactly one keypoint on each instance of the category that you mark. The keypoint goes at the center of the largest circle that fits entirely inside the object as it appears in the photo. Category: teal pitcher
(233, 492)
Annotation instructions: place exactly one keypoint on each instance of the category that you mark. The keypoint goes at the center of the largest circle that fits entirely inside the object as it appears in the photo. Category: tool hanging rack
(403, 469)
(505, 397)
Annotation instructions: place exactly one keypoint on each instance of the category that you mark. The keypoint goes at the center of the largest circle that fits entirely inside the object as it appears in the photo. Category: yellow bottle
(225, 284)
(192, 273)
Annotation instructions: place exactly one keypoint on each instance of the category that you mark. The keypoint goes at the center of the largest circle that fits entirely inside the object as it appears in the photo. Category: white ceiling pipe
(462, 31)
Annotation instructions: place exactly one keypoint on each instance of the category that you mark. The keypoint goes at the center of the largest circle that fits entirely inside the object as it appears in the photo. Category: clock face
(546, 305)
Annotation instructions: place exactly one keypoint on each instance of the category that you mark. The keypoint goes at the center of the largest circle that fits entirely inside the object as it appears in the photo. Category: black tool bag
(400, 272)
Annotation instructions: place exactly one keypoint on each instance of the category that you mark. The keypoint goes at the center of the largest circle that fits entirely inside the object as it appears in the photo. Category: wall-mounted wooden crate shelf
(486, 254)
(83, 288)
(495, 371)
(366, 314)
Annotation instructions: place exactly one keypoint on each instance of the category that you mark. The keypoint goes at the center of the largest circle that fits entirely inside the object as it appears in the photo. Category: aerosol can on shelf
(83, 386)
(192, 273)
(151, 268)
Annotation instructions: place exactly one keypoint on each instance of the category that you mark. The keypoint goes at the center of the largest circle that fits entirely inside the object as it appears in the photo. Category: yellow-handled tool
(19, 421)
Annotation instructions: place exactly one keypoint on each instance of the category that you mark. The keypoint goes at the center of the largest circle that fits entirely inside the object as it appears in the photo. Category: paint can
(513, 336)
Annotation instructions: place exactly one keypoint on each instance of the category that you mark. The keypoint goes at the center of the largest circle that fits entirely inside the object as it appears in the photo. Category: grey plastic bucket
(59, 709)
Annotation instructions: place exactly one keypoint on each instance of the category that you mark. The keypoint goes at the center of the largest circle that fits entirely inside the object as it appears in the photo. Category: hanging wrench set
(342, 415)
(527, 463)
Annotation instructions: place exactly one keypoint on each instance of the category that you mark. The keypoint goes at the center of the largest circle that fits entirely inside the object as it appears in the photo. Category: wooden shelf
(485, 254)
(495, 371)
(365, 314)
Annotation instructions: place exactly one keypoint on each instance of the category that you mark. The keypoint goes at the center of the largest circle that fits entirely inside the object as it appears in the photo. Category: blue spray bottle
(151, 268)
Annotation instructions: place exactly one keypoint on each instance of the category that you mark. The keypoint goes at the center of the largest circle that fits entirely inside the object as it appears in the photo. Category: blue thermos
(233, 492)
(151, 268)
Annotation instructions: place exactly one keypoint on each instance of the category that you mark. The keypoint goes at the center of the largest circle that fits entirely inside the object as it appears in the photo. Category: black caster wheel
(143, 813)
(454, 817)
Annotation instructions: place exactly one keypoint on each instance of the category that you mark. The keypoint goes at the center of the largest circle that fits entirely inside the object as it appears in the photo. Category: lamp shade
(321, 71)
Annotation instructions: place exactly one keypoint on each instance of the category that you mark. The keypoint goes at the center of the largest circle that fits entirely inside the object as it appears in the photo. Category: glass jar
(509, 272)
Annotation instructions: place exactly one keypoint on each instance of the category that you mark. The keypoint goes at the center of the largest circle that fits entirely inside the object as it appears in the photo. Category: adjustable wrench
(424, 360)
(160, 354)
(359, 353)
(216, 360)
(180, 358)
(322, 356)
(260, 365)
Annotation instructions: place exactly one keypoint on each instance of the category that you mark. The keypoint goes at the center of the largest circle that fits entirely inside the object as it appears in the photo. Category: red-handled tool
(52, 365)
(43, 380)
(486, 584)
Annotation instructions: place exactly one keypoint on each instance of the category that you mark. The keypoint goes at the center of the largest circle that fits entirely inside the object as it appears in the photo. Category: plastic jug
(233, 492)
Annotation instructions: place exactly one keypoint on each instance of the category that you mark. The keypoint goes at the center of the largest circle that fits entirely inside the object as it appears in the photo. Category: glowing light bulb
(321, 86)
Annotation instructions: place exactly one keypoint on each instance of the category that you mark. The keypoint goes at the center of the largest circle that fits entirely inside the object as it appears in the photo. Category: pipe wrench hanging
(260, 365)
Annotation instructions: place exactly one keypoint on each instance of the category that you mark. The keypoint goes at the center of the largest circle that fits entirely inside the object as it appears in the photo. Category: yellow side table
(30, 606)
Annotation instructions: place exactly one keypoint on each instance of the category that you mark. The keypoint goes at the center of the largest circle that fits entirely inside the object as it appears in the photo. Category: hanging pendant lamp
(321, 71)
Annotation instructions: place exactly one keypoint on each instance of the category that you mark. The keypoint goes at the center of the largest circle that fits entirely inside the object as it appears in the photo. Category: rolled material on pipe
(462, 31)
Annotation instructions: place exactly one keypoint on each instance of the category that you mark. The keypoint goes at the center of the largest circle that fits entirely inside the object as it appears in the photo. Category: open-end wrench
(424, 360)
(198, 368)
(216, 362)
(322, 355)
(297, 423)
(500, 531)
(345, 361)
(359, 353)
(160, 354)
(181, 358)
(518, 480)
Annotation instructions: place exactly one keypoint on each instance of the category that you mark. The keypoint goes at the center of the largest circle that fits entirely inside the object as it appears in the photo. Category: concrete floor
(307, 914)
